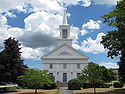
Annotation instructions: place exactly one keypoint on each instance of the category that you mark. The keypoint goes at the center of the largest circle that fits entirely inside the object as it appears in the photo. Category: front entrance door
(64, 77)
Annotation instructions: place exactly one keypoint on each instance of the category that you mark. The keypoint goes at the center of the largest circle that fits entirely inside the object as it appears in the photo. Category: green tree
(35, 77)
(112, 76)
(107, 74)
(94, 74)
(11, 64)
(114, 41)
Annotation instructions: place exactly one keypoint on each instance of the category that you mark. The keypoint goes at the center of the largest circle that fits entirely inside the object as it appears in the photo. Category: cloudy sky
(35, 23)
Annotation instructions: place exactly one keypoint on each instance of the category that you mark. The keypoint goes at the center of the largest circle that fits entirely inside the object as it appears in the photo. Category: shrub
(117, 85)
(51, 86)
(86, 85)
(97, 85)
(45, 86)
(105, 85)
(74, 84)
(27, 86)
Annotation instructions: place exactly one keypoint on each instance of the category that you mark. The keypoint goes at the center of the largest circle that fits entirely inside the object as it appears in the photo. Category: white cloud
(40, 33)
(109, 65)
(74, 33)
(43, 21)
(3, 20)
(88, 45)
(76, 46)
(7, 31)
(40, 28)
(83, 32)
(48, 5)
(30, 53)
(3, 30)
(10, 14)
(6, 5)
(106, 2)
(21, 5)
(84, 3)
(93, 46)
(15, 32)
(91, 24)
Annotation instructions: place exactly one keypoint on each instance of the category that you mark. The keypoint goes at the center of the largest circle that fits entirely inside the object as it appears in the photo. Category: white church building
(64, 62)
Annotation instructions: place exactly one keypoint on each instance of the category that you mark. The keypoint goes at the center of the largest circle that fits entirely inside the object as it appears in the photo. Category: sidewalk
(64, 90)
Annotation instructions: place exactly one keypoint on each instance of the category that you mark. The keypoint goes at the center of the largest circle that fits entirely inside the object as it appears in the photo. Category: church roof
(67, 53)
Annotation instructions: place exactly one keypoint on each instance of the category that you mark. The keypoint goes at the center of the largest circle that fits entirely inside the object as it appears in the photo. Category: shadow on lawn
(115, 91)
(32, 93)
(8, 91)
(17, 92)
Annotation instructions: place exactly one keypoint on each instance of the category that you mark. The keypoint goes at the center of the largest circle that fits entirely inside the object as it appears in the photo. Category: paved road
(64, 90)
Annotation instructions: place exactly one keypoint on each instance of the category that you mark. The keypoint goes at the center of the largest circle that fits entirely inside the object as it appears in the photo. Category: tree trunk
(94, 88)
(122, 66)
(36, 91)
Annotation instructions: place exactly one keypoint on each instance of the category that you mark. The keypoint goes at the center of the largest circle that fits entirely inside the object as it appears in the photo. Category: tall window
(64, 66)
(51, 66)
(52, 76)
(78, 66)
(64, 33)
(78, 75)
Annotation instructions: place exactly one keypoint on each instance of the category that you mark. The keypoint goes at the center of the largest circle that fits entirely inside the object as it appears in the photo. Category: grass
(29, 91)
(101, 91)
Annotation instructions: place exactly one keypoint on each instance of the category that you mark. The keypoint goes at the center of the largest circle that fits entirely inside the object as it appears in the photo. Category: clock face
(64, 33)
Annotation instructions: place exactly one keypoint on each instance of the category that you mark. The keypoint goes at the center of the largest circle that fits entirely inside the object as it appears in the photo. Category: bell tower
(64, 32)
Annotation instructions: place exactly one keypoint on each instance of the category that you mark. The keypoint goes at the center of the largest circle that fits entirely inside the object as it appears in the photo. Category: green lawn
(101, 91)
(29, 91)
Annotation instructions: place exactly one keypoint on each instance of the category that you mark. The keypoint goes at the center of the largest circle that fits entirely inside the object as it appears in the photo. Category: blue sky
(35, 24)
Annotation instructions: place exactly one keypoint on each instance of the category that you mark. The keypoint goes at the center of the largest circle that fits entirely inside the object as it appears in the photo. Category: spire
(64, 18)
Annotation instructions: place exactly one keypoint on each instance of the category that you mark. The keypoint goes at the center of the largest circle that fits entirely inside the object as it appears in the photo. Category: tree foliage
(11, 64)
(114, 41)
(74, 84)
(94, 74)
(107, 75)
(35, 77)
(117, 84)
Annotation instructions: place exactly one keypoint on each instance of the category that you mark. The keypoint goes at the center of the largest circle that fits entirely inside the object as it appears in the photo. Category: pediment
(64, 52)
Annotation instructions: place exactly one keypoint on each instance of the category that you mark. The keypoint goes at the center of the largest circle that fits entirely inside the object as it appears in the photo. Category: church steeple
(64, 31)
(64, 28)
(65, 18)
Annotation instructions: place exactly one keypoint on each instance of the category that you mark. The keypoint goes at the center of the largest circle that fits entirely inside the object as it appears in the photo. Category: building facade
(64, 62)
